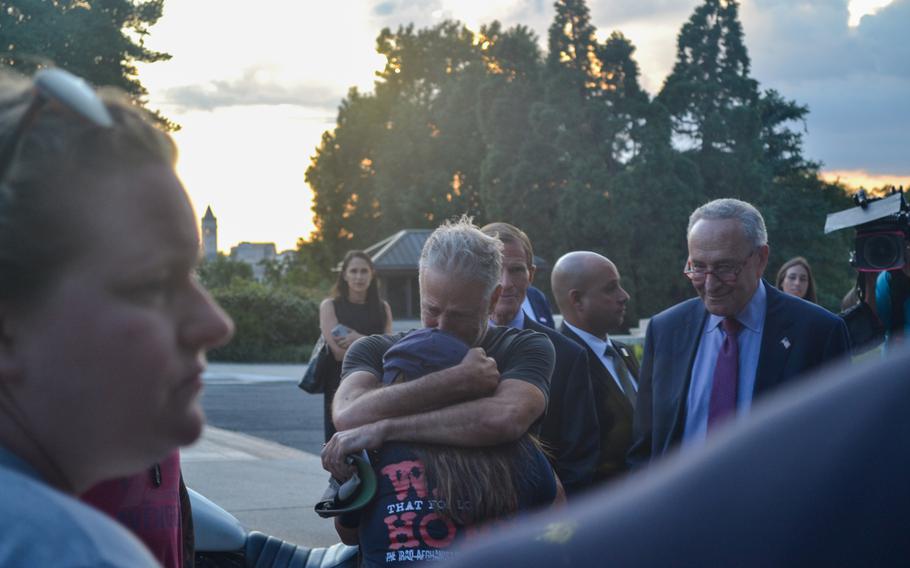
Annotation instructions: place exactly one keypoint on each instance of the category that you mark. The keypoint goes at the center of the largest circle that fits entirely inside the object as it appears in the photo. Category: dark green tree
(343, 177)
(571, 45)
(222, 271)
(429, 158)
(569, 147)
(408, 155)
(645, 230)
(709, 93)
(743, 143)
(590, 119)
(559, 163)
(100, 40)
(511, 187)
(623, 104)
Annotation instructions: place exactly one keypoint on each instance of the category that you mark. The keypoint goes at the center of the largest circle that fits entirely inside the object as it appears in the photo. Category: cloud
(394, 13)
(535, 14)
(256, 86)
(855, 81)
(384, 9)
(611, 14)
(884, 36)
(858, 122)
(810, 40)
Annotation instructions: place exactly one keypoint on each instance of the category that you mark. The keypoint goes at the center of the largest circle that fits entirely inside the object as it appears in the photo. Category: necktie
(726, 375)
(622, 373)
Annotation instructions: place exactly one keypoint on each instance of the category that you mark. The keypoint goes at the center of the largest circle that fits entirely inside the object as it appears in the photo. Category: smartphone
(340, 330)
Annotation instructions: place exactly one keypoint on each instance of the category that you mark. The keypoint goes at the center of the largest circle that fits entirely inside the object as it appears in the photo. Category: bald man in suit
(593, 303)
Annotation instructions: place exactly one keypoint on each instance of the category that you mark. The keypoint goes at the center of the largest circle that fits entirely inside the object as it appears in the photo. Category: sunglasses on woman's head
(60, 87)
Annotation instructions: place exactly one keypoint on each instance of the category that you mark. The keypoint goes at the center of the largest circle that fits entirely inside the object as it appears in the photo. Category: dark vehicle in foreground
(222, 542)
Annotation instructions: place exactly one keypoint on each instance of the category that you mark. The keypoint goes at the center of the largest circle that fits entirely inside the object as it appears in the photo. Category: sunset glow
(856, 179)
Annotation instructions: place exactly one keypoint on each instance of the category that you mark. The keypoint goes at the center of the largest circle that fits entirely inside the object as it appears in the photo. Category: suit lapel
(775, 345)
(599, 372)
(685, 346)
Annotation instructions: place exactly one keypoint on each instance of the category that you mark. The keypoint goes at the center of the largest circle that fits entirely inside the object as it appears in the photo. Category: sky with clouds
(255, 86)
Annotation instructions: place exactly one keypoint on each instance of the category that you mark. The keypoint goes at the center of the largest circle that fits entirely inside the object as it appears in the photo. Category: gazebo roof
(401, 251)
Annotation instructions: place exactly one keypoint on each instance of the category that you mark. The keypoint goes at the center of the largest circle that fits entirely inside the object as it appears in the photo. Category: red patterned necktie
(726, 375)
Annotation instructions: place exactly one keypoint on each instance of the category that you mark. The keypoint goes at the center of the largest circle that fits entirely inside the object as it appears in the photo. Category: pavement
(269, 487)
(251, 373)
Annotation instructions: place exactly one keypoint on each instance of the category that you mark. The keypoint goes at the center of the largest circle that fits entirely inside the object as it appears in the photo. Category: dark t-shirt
(519, 354)
(402, 525)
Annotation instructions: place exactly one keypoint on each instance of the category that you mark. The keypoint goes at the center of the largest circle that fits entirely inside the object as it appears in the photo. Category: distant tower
(209, 235)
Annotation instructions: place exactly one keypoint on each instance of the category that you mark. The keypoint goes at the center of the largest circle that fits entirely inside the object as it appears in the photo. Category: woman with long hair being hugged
(354, 311)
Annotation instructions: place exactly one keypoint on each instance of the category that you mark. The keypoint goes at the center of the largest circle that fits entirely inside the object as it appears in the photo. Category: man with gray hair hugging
(496, 394)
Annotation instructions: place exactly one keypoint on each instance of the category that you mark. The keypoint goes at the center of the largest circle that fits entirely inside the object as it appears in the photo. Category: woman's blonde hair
(478, 484)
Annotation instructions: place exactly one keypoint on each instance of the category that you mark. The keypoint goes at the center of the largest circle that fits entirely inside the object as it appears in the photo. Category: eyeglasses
(726, 272)
(67, 90)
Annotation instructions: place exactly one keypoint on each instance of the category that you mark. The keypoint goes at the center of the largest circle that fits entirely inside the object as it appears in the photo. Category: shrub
(273, 325)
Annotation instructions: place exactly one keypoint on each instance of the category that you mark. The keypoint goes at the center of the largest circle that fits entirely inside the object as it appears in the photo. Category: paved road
(258, 457)
(276, 411)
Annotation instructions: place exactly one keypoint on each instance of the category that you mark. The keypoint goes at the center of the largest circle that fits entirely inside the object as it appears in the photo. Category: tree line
(99, 40)
(568, 146)
(565, 144)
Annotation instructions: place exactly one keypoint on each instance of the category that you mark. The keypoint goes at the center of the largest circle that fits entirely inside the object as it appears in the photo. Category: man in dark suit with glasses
(707, 359)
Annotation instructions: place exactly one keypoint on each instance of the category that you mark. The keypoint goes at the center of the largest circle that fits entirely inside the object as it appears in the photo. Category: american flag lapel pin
(785, 342)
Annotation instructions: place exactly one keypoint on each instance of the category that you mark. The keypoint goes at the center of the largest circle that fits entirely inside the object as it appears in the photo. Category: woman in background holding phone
(353, 311)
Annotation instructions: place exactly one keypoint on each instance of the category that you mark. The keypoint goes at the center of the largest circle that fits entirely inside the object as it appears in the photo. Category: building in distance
(257, 255)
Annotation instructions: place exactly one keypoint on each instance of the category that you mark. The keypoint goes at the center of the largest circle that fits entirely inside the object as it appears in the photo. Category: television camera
(882, 230)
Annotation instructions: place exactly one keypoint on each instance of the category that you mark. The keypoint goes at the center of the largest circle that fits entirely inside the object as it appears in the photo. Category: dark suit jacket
(797, 337)
(614, 412)
(570, 428)
(815, 476)
(541, 307)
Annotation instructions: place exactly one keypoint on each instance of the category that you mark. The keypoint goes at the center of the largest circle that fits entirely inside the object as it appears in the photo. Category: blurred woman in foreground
(103, 326)
(795, 278)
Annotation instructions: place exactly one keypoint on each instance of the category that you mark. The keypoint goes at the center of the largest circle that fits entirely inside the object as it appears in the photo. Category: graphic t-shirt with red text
(402, 524)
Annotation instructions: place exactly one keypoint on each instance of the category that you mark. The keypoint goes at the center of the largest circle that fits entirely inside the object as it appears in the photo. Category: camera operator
(881, 256)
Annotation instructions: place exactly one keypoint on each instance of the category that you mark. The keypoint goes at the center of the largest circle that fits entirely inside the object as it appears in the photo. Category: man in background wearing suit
(708, 358)
(537, 307)
(569, 428)
(593, 303)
